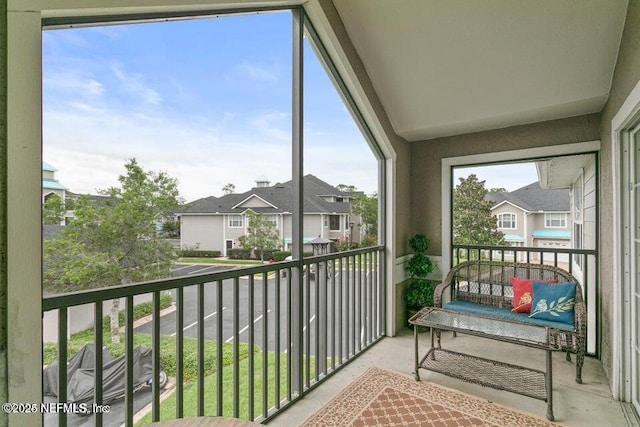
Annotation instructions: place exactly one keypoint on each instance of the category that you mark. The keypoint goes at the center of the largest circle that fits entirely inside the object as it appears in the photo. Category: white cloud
(134, 84)
(259, 72)
(73, 82)
(274, 124)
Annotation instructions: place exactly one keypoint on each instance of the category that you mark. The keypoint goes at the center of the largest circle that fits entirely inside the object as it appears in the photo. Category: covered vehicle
(80, 375)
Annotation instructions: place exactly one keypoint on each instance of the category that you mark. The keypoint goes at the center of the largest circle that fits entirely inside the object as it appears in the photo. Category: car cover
(83, 359)
(81, 378)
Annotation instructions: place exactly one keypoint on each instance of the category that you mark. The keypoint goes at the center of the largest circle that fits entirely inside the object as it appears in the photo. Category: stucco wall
(625, 77)
(203, 232)
(312, 226)
(426, 158)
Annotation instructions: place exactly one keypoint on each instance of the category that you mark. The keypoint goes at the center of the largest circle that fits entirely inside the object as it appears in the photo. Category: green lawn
(168, 406)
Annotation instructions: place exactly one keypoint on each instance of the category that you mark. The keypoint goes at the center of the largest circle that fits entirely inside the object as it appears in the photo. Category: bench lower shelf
(486, 372)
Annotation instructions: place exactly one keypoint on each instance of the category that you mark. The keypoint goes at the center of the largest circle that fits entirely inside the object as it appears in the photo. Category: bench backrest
(489, 282)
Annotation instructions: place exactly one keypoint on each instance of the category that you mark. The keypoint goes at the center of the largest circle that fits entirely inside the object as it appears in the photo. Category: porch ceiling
(447, 68)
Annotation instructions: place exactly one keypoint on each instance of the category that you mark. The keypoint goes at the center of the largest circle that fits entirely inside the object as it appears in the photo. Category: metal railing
(581, 263)
(245, 313)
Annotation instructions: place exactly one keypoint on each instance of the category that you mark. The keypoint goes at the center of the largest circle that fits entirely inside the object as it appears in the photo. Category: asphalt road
(255, 321)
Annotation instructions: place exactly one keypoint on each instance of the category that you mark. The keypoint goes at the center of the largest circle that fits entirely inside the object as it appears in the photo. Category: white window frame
(233, 219)
(577, 233)
(501, 221)
(577, 194)
(548, 218)
(272, 218)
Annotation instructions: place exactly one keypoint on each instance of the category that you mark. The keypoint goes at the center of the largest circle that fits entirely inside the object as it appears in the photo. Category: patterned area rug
(385, 398)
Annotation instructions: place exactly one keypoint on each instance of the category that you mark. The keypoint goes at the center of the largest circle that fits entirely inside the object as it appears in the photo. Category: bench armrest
(446, 283)
(580, 313)
(437, 294)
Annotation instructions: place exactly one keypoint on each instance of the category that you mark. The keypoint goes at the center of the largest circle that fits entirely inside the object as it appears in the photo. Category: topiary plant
(419, 293)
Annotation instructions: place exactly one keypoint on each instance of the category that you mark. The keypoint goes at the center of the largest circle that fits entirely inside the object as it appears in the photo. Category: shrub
(280, 255)
(342, 245)
(369, 240)
(239, 253)
(195, 253)
(419, 294)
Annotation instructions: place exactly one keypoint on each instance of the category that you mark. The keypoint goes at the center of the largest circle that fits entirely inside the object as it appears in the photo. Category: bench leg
(416, 373)
(579, 363)
(549, 385)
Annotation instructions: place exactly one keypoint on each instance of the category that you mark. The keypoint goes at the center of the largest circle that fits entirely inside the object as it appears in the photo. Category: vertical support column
(297, 217)
(23, 195)
(4, 392)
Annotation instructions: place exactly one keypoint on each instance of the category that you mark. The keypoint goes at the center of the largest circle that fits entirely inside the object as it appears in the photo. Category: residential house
(434, 85)
(216, 223)
(534, 217)
(50, 185)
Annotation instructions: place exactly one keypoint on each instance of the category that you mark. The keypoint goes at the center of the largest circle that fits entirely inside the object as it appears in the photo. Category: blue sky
(206, 100)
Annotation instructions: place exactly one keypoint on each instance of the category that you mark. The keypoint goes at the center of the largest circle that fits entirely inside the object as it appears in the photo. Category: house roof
(278, 196)
(47, 167)
(551, 234)
(534, 198)
(513, 238)
(52, 184)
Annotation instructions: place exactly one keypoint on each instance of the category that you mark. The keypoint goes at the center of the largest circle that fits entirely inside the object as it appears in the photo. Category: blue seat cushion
(503, 313)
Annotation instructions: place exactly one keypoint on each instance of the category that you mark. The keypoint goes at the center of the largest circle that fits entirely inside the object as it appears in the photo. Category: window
(555, 220)
(507, 221)
(236, 221)
(577, 243)
(272, 219)
(326, 221)
(577, 192)
(577, 199)
(334, 222)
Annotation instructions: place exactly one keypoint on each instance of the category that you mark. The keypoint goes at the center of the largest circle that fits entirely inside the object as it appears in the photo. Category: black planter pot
(410, 313)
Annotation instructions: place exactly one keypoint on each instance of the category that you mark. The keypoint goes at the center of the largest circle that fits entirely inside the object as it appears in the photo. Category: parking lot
(188, 269)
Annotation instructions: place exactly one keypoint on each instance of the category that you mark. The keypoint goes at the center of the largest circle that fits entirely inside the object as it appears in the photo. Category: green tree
(229, 189)
(116, 241)
(261, 236)
(52, 210)
(366, 208)
(346, 188)
(473, 223)
(171, 227)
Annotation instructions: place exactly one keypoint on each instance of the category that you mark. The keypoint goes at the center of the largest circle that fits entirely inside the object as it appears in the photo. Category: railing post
(99, 342)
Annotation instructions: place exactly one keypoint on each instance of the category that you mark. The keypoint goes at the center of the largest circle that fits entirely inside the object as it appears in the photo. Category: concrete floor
(587, 404)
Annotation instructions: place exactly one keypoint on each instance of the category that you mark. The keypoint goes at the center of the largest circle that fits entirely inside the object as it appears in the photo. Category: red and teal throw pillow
(522, 295)
(554, 301)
